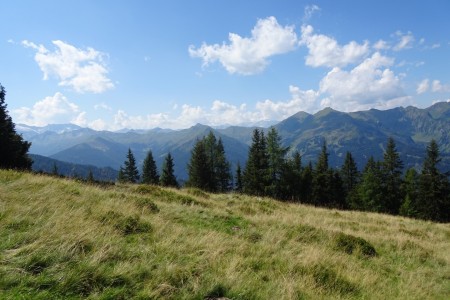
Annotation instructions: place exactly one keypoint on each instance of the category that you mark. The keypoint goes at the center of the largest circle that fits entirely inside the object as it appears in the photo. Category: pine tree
(13, 148)
(130, 171)
(149, 170)
(350, 177)
(276, 163)
(291, 178)
(222, 168)
(255, 177)
(167, 174)
(349, 173)
(199, 170)
(392, 167)
(306, 185)
(208, 167)
(322, 180)
(370, 195)
(433, 201)
(238, 187)
(410, 188)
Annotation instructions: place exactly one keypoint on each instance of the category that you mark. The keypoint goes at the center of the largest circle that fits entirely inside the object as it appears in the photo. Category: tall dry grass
(66, 239)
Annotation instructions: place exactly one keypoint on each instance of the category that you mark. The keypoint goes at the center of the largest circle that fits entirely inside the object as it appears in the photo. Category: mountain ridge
(362, 133)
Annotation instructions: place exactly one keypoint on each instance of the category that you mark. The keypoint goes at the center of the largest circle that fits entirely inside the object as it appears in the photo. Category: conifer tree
(149, 170)
(222, 168)
(322, 180)
(433, 201)
(255, 177)
(306, 185)
(130, 171)
(275, 163)
(199, 170)
(350, 177)
(291, 178)
(13, 148)
(349, 173)
(167, 174)
(392, 178)
(410, 188)
(208, 168)
(238, 187)
(370, 190)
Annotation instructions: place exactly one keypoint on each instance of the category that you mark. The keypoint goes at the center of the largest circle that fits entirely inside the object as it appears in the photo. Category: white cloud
(423, 86)
(381, 45)
(438, 87)
(103, 106)
(370, 84)
(309, 11)
(82, 70)
(50, 110)
(405, 41)
(249, 56)
(325, 51)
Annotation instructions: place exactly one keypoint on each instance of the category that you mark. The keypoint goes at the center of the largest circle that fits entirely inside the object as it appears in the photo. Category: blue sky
(172, 64)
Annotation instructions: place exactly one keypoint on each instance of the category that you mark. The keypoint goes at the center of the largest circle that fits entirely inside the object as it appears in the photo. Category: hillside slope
(64, 239)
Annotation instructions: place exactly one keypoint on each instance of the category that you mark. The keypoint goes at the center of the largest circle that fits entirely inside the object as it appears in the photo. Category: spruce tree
(433, 201)
(167, 174)
(130, 171)
(222, 170)
(392, 167)
(276, 163)
(410, 188)
(322, 180)
(306, 185)
(349, 173)
(238, 187)
(370, 195)
(350, 177)
(255, 177)
(291, 178)
(199, 171)
(13, 148)
(149, 170)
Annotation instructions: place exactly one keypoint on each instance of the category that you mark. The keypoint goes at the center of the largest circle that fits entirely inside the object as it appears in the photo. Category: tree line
(381, 186)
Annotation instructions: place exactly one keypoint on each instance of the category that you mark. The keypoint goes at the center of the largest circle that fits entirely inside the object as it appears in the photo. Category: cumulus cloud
(370, 84)
(325, 51)
(405, 41)
(423, 86)
(249, 55)
(82, 70)
(50, 110)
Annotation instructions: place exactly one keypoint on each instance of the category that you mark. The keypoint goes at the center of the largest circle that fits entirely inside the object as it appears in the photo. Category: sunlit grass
(66, 239)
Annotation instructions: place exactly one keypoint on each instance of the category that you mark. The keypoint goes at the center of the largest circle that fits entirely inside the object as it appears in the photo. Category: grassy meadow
(63, 239)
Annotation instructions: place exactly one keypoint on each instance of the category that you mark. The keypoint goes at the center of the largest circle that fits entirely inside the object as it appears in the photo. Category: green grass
(62, 239)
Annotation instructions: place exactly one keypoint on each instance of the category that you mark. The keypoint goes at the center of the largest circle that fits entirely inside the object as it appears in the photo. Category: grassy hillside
(65, 239)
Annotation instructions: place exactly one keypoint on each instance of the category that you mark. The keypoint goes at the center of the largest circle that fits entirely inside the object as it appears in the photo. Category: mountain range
(363, 133)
